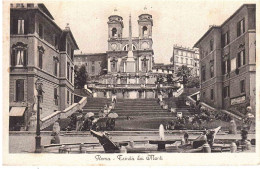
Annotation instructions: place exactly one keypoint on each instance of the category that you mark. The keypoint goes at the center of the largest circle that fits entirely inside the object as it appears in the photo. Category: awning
(17, 111)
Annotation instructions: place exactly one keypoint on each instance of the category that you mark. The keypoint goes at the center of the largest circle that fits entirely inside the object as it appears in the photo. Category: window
(187, 61)
(144, 64)
(242, 86)
(195, 63)
(240, 27)
(211, 45)
(226, 39)
(211, 70)
(212, 94)
(20, 26)
(71, 99)
(145, 31)
(233, 64)
(241, 60)
(68, 97)
(30, 5)
(177, 59)
(68, 70)
(93, 69)
(226, 91)
(40, 59)
(19, 90)
(113, 65)
(226, 66)
(114, 32)
(19, 55)
(71, 74)
(181, 60)
(41, 31)
(56, 67)
(56, 96)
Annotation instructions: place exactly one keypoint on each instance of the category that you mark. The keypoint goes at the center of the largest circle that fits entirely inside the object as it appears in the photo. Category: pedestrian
(186, 137)
(55, 133)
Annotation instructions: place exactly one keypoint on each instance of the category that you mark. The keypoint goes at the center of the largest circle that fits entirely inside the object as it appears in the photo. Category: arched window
(114, 32)
(125, 48)
(145, 31)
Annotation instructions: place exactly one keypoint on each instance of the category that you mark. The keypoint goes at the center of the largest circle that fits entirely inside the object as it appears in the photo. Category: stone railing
(209, 108)
(179, 91)
(130, 86)
(49, 120)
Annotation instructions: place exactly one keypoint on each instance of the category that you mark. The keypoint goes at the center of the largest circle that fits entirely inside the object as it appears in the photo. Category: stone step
(146, 114)
(138, 108)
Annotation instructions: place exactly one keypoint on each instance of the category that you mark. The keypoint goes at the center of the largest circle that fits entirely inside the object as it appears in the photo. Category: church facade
(130, 62)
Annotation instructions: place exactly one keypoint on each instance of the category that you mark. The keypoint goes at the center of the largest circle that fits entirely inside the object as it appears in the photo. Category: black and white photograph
(130, 82)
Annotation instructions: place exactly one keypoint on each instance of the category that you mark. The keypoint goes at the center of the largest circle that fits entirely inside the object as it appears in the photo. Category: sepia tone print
(121, 90)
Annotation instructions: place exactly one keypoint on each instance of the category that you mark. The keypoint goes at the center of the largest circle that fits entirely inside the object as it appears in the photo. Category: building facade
(39, 50)
(186, 56)
(96, 63)
(228, 62)
(130, 61)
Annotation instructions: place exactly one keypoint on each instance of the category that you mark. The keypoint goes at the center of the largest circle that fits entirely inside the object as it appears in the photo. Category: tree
(169, 78)
(185, 73)
(81, 77)
(159, 79)
(193, 82)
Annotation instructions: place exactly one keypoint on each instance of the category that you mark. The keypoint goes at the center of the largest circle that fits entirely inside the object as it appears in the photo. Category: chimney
(67, 26)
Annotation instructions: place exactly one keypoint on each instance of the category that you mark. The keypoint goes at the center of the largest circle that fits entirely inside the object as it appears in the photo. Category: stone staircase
(179, 104)
(140, 114)
(94, 105)
(140, 107)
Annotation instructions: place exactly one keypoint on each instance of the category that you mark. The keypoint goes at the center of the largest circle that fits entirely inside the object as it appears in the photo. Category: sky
(181, 22)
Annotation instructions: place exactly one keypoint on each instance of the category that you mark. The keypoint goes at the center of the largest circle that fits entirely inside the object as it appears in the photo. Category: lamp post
(38, 86)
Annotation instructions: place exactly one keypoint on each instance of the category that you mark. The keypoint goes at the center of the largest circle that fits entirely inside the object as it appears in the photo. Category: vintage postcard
(95, 82)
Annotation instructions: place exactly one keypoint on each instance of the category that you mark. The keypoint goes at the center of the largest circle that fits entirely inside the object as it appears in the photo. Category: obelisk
(130, 62)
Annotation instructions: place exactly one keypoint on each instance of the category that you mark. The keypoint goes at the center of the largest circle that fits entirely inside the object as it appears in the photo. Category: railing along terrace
(130, 86)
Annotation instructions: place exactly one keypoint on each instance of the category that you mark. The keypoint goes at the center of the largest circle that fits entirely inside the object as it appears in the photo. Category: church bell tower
(115, 26)
(145, 23)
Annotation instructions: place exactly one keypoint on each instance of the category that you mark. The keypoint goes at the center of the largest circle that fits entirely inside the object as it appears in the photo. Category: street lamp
(38, 86)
